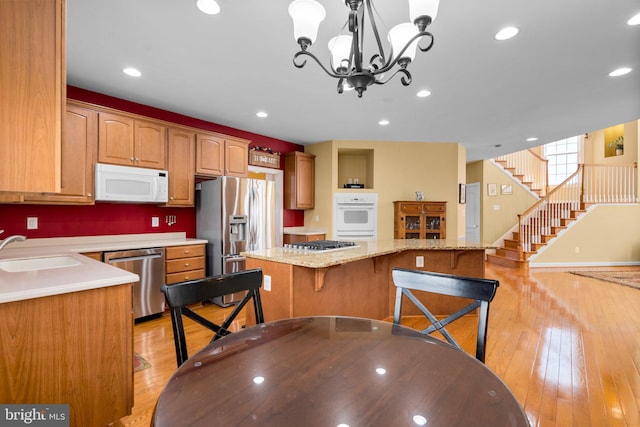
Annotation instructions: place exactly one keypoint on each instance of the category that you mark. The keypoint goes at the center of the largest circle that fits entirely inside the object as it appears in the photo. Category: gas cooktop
(321, 245)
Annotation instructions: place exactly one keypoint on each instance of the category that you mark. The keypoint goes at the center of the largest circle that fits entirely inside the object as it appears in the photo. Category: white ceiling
(550, 81)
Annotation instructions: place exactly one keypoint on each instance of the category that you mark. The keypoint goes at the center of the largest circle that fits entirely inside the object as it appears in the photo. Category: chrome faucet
(10, 239)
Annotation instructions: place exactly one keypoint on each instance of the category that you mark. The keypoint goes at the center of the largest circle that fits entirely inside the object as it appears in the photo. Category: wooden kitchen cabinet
(74, 348)
(186, 262)
(221, 155)
(79, 152)
(128, 141)
(299, 180)
(181, 159)
(419, 220)
(32, 94)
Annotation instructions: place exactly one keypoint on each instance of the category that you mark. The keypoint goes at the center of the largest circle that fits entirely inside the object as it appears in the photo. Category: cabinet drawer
(186, 251)
(412, 208)
(184, 264)
(435, 208)
(184, 276)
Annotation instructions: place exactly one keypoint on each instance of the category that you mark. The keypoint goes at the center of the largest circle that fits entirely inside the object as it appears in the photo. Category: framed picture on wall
(506, 189)
(492, 189)
(462, 193)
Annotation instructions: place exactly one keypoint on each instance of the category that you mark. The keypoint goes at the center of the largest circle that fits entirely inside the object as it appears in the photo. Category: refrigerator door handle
(234, 258)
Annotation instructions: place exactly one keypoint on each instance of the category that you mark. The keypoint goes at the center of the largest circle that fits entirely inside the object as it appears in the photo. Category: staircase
(543, 221)
(527, 167)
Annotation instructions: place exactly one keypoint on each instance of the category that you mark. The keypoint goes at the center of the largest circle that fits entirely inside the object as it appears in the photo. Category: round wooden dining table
(334, 372)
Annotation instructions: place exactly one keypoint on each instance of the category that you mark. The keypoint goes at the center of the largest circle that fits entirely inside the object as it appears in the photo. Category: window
(563, 158)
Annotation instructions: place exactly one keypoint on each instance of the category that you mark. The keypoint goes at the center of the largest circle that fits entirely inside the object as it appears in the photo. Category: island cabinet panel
(74, 348)
(358, 281)
(468, 263)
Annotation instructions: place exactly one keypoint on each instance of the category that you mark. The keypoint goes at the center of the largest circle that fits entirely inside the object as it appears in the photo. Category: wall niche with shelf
(355, 166)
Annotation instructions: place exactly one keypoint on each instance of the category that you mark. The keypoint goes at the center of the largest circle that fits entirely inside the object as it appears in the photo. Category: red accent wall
(108, 219)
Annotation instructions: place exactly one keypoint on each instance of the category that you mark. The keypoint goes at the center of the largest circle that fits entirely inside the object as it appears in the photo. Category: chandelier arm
(304, 52)
(426, 34)
(405, 79)
(393, 61)
(381, 52)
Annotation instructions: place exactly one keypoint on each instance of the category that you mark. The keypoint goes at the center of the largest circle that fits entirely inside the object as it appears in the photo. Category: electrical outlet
(32, 223)
(577, 250)
(420, 261)
(267, 283)
(155, 221)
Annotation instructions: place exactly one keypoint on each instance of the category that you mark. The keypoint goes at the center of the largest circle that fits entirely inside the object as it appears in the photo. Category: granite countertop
(85, 274)
(363, 250)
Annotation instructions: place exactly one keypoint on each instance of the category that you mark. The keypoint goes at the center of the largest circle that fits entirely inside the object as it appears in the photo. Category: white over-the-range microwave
(130, 184)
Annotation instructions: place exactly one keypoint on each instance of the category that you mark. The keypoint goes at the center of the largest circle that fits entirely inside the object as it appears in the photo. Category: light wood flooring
(567, 346)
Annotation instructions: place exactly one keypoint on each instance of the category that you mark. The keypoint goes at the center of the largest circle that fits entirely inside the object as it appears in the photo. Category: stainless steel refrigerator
(235, 215)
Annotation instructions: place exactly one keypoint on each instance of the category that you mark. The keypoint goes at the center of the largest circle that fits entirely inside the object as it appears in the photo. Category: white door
(473, 213)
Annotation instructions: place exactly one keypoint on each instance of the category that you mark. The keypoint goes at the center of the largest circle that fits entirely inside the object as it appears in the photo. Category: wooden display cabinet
(419, 220)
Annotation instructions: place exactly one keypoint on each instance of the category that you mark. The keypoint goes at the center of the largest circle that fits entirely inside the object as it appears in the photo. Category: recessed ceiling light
(635, 20)
(133, 72)
(532, 139)
(423, 93)
(620, 72)
(506, 33)
(210, 7)
(262, 114)
(383, 122)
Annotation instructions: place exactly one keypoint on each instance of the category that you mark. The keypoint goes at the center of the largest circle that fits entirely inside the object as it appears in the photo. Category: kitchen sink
(18, 265)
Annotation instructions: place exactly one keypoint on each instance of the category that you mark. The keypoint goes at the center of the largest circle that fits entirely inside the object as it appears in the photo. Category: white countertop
(88, 274)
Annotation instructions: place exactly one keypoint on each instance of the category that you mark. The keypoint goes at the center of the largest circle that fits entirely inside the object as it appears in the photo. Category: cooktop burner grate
(321, 245)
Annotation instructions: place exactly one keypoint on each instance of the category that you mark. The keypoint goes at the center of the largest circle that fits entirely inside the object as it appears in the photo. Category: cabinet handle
(186, 252)
(89, 195)
(186, 264)
(131, 158)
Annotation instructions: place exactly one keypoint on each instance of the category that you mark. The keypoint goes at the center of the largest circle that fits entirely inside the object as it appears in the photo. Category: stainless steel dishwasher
(149, 265)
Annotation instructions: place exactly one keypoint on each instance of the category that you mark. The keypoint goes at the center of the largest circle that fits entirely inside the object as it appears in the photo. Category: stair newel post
(520, 236)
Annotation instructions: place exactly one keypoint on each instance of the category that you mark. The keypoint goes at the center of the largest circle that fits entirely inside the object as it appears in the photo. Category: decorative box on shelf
(261, 157)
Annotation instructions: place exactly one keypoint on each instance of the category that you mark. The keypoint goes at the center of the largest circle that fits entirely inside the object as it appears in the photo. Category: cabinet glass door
(432, 225)
(412, 227)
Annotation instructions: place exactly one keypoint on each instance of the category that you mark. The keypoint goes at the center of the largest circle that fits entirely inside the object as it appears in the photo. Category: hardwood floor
(567, 346)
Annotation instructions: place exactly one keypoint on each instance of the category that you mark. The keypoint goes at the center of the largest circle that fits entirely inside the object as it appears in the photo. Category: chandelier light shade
(347, 56)
(307, 16)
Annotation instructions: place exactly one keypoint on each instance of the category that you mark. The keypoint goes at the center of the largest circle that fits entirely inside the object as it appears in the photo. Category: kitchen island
(356, 281)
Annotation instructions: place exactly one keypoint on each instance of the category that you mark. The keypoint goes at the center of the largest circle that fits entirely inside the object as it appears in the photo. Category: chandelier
(347, 49)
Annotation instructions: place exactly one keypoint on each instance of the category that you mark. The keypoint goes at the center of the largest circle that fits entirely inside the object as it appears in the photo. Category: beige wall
(499, 213)
(399, 170)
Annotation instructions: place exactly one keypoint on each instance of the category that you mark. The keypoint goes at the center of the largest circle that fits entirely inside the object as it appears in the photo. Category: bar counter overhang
(357, 281)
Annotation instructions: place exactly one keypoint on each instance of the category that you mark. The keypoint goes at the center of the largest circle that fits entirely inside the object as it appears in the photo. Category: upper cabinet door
(32, 94)
(236, 157)
(149, 146)
(209, 155)
(123, 140)
(182, 158)
(115, 139)
(79, 148)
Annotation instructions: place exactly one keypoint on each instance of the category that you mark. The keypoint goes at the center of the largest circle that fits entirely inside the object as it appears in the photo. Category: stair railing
(590, 184)
(548, 212)
(531, 166)
(610, 184)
